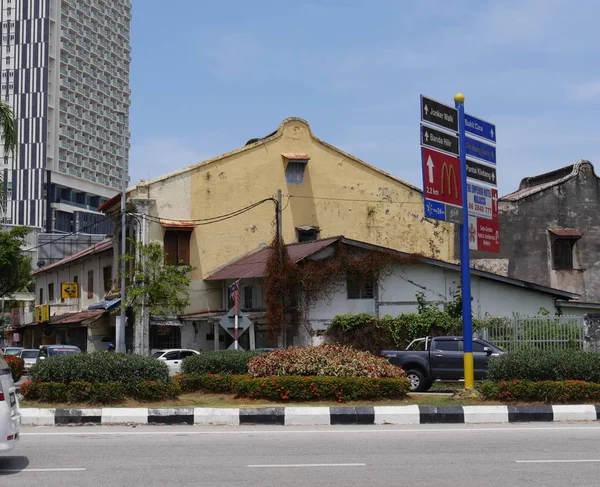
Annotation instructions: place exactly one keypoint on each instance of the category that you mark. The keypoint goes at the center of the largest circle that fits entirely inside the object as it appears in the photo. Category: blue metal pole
(465, 261)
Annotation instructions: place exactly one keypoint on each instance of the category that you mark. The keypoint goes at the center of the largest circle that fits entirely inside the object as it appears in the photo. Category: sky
(208, 76)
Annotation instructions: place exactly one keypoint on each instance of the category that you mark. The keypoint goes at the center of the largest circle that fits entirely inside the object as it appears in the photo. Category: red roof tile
(565, 232)
(254, 265)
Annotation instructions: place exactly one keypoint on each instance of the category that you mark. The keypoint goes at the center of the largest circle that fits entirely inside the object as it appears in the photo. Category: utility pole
(279, 221)
(122, 319)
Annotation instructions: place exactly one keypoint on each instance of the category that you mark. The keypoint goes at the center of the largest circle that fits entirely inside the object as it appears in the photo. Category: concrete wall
(68, 273)
(397, 295)
(526, 242)
(339, 195)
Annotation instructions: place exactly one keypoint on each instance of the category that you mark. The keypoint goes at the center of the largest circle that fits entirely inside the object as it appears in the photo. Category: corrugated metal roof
(181, 224)
(565, 232)
(77, 317)
(94, 249)
(254, 265)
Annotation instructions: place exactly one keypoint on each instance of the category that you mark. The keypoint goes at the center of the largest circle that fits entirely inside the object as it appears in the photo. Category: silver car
(10, 417)
(30, 356)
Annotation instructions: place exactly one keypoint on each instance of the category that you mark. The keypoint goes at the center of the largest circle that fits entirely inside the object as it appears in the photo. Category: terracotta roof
(532, 185)
(295, 156)
(254, 265)
(565, 232)
(78, 317)
(182, 224)
(94, 249)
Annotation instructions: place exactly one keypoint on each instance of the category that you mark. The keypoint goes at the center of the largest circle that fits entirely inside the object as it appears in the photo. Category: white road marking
(292, 465)
(17, 470)
(422, 429)
(557, 461)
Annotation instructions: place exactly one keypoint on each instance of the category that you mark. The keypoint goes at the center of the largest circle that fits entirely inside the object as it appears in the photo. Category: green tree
(161, 287)
(8, 129)
(15, 267)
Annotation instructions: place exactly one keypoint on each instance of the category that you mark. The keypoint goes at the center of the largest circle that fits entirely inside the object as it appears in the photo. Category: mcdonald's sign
(441, 176)
(449, 178)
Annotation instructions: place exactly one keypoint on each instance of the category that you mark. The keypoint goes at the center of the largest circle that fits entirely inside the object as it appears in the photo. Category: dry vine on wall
(313, 280)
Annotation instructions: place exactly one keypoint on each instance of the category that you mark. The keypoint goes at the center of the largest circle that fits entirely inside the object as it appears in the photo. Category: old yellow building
(325, 192)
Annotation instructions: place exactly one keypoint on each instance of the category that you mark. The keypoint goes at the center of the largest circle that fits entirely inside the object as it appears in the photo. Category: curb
(312, 416)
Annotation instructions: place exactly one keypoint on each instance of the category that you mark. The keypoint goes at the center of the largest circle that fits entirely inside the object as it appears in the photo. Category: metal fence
(551, 332)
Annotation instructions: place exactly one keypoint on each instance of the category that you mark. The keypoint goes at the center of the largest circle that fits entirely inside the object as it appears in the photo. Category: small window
(308, 235)
(447, 345)
(90, 285)
(294, 172)
(51, 292)
(171, 355)
(41, 295)
(107, 278)
(562, 254)
(359, 288)
(247, 297)
(177, 247)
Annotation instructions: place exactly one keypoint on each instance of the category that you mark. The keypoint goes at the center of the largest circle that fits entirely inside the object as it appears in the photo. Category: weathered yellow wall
(340, 194)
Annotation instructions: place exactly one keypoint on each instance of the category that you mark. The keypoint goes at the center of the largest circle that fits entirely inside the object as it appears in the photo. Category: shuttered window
(177, 247)
(90, 285)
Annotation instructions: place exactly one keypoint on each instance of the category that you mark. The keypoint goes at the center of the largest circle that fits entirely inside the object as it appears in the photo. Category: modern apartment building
(65, 71)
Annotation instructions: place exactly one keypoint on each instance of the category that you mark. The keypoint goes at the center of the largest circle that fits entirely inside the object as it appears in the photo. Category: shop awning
(83, 317)
(168, 320)
(107, 305)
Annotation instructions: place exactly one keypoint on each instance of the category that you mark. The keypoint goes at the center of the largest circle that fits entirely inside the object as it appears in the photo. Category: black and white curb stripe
(394, 415)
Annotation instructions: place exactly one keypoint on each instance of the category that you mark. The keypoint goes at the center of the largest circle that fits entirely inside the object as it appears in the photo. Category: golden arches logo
(450, 179)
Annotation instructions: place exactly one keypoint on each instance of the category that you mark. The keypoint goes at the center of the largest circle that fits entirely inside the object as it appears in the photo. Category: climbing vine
(311, 280)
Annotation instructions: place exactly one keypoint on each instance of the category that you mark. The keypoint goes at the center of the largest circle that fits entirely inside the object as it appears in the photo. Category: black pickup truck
(429, 359)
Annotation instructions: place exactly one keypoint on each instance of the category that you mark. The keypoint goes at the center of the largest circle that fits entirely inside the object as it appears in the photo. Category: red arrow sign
(441, 177)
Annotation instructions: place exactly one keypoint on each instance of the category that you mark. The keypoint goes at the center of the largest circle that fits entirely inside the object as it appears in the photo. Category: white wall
(397, 295)
(67, 273)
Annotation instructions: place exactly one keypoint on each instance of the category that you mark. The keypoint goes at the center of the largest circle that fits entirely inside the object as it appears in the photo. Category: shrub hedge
(210, 383)
(296, 388)
(546, 391)
(546, 365)
(219, 362)
(324, 360)
(16, 365)
(98, 392)
(103, 367)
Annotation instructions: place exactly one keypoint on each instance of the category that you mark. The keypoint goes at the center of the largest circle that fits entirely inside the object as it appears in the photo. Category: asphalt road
(433, 455)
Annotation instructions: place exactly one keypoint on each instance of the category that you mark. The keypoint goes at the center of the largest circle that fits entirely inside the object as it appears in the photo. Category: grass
(200, 400)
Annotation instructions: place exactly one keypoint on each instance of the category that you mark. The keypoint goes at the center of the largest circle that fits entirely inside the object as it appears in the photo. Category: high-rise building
(65, 71)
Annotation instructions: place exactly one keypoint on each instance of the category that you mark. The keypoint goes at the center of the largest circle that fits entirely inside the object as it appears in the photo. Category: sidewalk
(306, 416)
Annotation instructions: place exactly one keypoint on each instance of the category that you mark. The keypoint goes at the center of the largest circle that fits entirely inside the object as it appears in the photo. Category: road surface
(427, 455)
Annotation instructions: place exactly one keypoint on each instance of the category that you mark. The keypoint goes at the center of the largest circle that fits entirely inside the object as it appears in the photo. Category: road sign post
(467, 202)
(465, 260)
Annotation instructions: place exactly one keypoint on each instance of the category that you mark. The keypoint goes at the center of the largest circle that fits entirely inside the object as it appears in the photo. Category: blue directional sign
(442, 211)
(480, 128)
(480, 150)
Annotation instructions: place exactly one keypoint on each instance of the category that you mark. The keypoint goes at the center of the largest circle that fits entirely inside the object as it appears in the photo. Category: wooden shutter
(183, 248)
(170, 244)
(107, 277)
(90, 286)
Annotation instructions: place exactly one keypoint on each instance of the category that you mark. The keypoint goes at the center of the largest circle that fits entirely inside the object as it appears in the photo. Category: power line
(70, 234)
(356, 200)
(214, 219)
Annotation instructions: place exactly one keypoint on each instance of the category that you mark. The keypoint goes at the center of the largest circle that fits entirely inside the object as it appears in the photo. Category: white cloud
(586, 91)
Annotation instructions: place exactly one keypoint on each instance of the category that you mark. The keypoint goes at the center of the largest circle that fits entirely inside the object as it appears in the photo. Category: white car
(30, 357)
(173, 357)
(10, 417)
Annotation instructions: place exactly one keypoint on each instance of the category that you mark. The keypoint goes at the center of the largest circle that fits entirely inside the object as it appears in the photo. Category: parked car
(11, 350)
(10, 416)
(173, 357)
(30, 357)
(429, 359)
(47, 351)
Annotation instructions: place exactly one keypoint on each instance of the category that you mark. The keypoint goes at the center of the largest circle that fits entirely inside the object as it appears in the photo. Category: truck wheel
(418, 381)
